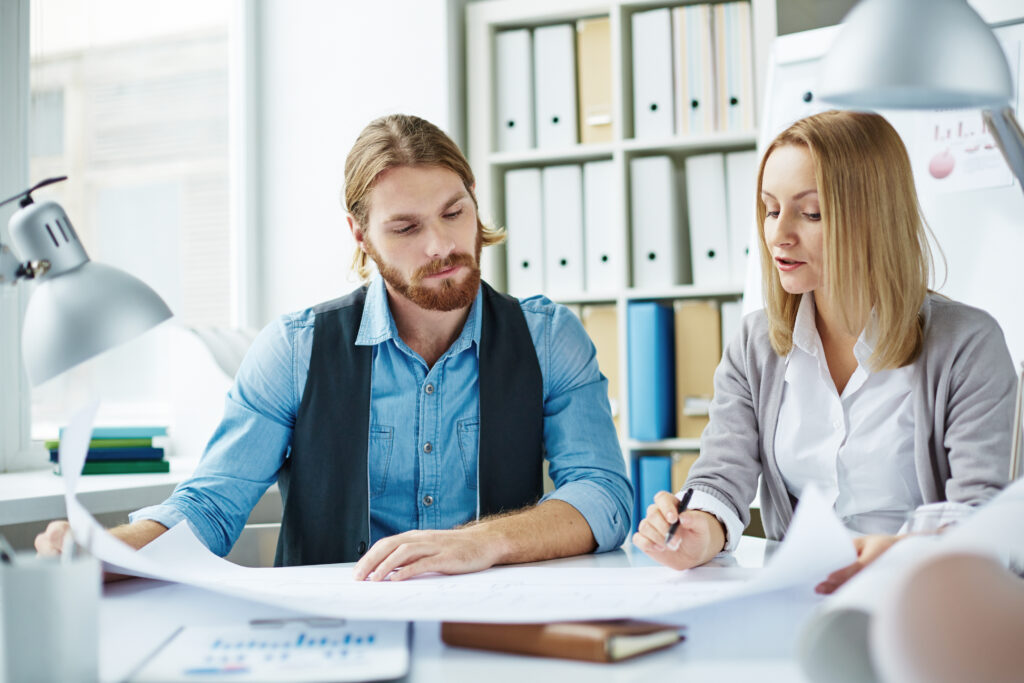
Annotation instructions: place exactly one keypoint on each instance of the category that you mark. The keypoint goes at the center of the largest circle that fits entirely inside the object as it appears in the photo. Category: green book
(54, 444)
(121, 467)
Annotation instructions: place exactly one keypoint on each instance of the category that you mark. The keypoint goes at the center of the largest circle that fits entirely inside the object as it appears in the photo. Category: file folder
(660, 253)
(682, 461)
(708, 220)
(732, 320)
(603, 270)
(554, 71)
(740, 192)
(698, 352)
(524, 221)
(694, 55)
(734, 64)
(650, 352)
(601, 324)
(513, 54)
(594, 74)
(653, 101)
(655, 476)
(563, 230)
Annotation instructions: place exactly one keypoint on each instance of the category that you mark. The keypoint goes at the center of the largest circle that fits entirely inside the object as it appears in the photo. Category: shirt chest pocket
(469, 444)
(382, 439)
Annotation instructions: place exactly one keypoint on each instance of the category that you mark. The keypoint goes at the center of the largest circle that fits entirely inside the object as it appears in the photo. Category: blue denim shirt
(411, 405)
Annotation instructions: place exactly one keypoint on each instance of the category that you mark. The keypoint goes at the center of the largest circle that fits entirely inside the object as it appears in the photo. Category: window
(130, 101)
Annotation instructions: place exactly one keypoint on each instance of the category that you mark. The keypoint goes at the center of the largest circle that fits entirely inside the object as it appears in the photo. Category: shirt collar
(378, 325)
(805, 332)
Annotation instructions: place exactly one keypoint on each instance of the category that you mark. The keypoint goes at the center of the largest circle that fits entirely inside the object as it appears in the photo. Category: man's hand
(699, 538)
(542, 532)
(868, 549)
(51, 541)
(456, 551)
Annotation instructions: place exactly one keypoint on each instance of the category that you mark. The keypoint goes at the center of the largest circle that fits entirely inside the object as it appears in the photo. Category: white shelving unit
(484, 21)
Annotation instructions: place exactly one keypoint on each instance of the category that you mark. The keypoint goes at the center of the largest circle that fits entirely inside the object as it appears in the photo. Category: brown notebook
(595, 641)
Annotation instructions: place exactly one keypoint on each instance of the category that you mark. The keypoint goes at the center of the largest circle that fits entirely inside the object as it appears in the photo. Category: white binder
(513, 54)
(732, 320)
(653, 102)
(709, 229)
(524, 222)
(603, 269)
(554, 70)
(740, 189)
(734, 64)
(694, 55)
(563, 230)
(660, 256)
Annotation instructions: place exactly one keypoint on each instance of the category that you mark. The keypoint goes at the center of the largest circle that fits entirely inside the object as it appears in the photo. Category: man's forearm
(138, 534)
(549, 530)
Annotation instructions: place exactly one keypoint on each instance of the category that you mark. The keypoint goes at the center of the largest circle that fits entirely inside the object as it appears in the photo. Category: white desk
(738, 641)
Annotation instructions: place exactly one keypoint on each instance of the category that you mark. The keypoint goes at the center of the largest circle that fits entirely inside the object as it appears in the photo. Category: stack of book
(120, 450)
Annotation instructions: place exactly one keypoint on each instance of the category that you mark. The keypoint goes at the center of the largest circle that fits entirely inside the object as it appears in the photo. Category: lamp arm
(1007, 133)
(12, 270)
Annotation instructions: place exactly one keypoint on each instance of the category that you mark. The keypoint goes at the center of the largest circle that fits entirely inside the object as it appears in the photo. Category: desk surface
(749, 640)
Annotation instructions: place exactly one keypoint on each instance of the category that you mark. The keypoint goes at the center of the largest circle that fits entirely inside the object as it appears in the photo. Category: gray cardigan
(963, 407)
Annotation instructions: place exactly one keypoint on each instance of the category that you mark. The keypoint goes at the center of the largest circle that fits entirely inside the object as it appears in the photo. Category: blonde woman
(855, 377)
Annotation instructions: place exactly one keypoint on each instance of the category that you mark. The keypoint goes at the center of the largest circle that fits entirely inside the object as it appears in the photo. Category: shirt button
(429, 388)
(427, 447)
(837, 423)
(428, 500)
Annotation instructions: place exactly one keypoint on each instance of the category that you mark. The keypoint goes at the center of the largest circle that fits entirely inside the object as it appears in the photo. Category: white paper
(815, 545)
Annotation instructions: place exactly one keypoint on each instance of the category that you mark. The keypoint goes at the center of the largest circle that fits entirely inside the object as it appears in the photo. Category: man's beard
(447, 295)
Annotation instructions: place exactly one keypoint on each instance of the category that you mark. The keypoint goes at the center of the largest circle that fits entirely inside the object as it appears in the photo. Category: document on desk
(815, 545)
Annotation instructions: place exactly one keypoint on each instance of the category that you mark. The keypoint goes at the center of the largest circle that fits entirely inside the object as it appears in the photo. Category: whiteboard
(979, 231)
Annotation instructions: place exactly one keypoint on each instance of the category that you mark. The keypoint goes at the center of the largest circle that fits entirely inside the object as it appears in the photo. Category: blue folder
(652, 371)
(655, 475)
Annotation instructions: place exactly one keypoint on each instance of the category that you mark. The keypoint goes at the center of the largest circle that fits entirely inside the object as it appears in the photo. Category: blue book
(125, 432)
(634, 475)
(109, 454)
(655, 475)
(650, 343)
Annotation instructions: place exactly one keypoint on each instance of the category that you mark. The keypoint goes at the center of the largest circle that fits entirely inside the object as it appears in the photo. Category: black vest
(324, 481)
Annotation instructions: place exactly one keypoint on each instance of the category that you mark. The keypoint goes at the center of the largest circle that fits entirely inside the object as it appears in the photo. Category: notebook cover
(583, 640)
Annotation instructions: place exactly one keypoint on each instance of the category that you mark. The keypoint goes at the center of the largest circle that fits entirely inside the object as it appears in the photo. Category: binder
(740, 190)
(732, 319)
(601, 324)
(594, 75)
(655, 476)
(694, 55)
(524, 223)
(653, 101)
(513, 55)
(698, 352)
(554, 73)
(734, 66)
(650, 352)
(708, 224)
(563, 230)
(660, 255)
(603, 269)
(682, 461)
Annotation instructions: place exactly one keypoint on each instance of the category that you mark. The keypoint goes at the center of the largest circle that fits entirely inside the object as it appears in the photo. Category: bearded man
(407, 423)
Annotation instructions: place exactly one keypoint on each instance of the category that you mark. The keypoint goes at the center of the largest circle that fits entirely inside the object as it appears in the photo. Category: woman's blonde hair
(875, 248)
(401, 140)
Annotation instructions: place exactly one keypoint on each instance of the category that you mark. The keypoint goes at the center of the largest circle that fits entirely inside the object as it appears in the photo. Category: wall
(326, 69)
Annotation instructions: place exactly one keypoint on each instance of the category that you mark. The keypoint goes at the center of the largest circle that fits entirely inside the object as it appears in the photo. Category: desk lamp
(79, 308)
(928, 54)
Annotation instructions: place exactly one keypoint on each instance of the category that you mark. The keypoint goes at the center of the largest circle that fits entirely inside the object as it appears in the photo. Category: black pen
(680, 509)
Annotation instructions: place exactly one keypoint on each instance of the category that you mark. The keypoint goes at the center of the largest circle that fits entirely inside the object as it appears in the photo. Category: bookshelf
(484, 22)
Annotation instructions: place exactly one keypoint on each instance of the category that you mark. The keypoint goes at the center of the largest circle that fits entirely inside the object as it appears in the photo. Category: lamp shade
(81, 313)
(915, 54)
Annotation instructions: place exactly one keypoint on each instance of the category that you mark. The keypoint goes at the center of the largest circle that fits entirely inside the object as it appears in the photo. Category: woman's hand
(699, 538)
(868, 549)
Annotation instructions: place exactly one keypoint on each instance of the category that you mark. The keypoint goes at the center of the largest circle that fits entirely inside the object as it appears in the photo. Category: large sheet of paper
(816, 544)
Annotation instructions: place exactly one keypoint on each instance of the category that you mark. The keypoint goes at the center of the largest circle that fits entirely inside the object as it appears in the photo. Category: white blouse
(857, 447)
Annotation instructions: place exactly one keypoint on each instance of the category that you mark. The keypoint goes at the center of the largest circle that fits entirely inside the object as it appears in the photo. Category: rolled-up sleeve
(246, 451)
(585, 460)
